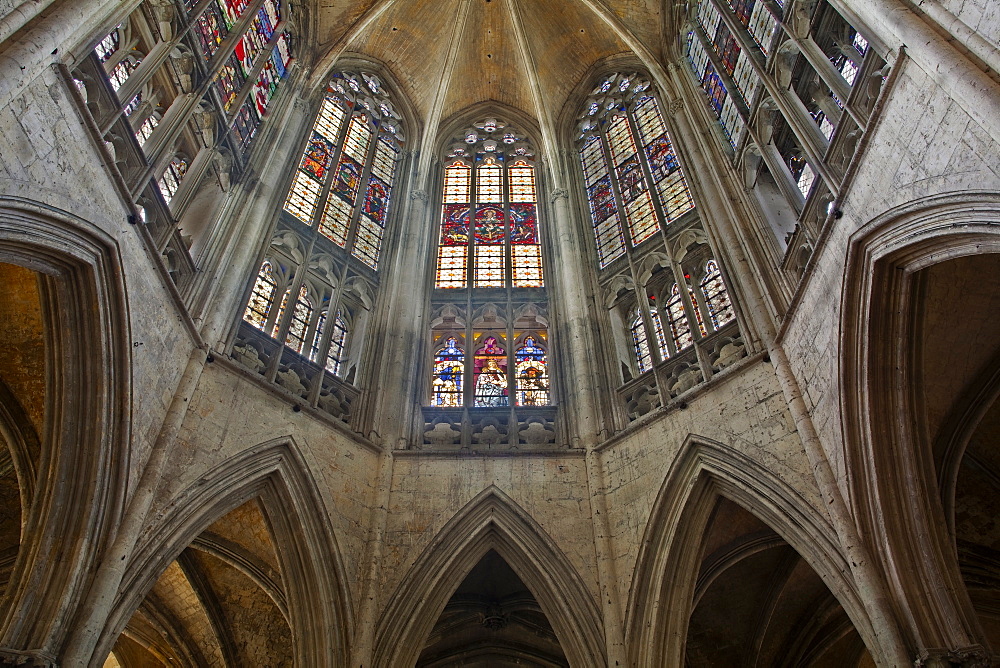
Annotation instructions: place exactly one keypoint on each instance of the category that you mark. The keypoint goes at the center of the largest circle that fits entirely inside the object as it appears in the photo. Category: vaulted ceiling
(449, 55)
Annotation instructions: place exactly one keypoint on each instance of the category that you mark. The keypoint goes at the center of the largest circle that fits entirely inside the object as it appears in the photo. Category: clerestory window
(633, 179)
(343, 184)
(490, 345)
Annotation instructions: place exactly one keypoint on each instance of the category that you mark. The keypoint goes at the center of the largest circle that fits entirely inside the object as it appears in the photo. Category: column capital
(557, 194)
(973, 656)
(418, 195)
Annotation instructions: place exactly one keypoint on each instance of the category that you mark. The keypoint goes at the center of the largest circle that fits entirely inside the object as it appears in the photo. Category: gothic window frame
(511, 305)
(354, 99)
(634, 183)
(288, 275)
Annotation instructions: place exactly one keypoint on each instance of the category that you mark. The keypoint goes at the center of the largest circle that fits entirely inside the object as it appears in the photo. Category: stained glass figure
(296, 337)
(680, 329)
(261, 297)
(713, 288)
(449, 368)
(490, 374)
(532, 374)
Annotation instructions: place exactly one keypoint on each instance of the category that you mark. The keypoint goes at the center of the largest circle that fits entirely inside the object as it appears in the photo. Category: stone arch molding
(81, 476)
(892, 483)
(492, 520)
(663, 586)
(313, 574)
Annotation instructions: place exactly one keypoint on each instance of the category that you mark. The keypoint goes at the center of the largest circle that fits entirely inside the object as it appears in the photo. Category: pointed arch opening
(490, 522)
(686, 551)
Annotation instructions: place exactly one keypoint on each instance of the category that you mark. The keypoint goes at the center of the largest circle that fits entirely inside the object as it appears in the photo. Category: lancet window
(633, 179)
(344, 181)
(490, 339)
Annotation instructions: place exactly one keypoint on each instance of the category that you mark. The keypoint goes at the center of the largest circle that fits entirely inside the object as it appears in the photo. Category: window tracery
(489, 278)
(303, 325)
(634, 182)
(343, 185)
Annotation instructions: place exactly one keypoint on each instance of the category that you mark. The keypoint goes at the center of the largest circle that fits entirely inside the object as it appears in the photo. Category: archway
(490, 522)
(687, 552)
(918, 352)
(270, 491)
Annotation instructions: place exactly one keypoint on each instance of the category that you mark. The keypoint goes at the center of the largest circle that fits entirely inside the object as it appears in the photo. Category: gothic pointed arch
(491, 521)
(894, 466)
(83, 458)
(664, 582)
(309, 558)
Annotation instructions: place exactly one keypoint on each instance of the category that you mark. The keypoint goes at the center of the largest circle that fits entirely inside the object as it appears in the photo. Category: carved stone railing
(308, 383)
(674, 377)
(490, 429)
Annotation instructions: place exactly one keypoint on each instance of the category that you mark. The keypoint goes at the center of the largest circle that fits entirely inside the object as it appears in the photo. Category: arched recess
(892, 469)
(664, 583)
(82, 468)
(318, 600)
(491, 521)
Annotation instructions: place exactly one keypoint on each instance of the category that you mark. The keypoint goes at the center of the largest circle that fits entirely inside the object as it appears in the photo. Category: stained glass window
(490, 248)
(490, 374)
(532, 374)
(501, 202)
(717, 302)
(261, 297)
(449, 368)
(146, 129)
(343, 185)
(641, 343)
(631, 171)
(296, 337)
(640, 340)
(734, 88)
(680, 329)
(338, 340)
(172, 177)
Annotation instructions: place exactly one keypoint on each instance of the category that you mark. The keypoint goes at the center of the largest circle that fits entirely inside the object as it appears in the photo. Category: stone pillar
(583, 377)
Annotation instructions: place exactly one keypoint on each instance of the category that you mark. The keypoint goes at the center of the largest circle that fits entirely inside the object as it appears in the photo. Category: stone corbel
(784, 61)
(165, 13)
(184, 66)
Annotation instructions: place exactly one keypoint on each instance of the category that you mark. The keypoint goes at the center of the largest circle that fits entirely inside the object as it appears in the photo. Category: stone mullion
(329, 327)
(150, 65)
(625, 226)
(293, 296)
(326, 187)
(654, 196)
(803, 125)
